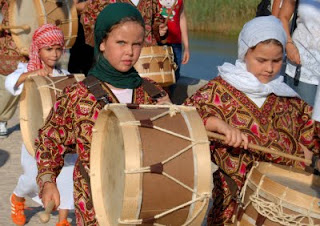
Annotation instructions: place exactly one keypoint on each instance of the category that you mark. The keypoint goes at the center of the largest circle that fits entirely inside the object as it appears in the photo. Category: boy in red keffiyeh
(46, 49)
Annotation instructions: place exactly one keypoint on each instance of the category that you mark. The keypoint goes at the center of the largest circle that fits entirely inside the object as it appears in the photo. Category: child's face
(264, 61)
(50, 55)
(123, 46)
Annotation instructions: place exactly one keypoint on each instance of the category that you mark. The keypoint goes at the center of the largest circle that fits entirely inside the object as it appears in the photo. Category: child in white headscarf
(249, 102)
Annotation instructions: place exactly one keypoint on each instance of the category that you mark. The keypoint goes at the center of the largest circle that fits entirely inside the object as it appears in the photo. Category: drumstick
(45, 215)
(170, 12)
(23, 27)
(262, 149)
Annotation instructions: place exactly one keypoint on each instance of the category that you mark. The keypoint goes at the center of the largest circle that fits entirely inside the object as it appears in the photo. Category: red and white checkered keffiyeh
(45, 36)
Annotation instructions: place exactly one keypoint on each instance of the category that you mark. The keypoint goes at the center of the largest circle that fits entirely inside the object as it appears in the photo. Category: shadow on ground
(35, 211)
(4, 156)
(14, 128)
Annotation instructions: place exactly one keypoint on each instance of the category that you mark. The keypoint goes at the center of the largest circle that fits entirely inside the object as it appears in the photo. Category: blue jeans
(306, 91)
(177, 52)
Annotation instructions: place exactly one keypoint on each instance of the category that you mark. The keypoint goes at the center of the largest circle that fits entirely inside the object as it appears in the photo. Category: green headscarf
(103, 70)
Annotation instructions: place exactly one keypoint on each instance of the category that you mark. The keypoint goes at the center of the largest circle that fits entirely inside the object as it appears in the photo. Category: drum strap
(231, 184)
(94, 86)
(153, 91)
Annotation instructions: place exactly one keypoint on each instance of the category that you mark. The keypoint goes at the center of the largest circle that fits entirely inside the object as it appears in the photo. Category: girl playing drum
(119, 36)
(249, 102)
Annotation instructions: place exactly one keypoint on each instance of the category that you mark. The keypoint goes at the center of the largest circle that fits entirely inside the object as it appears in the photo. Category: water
(207, 51)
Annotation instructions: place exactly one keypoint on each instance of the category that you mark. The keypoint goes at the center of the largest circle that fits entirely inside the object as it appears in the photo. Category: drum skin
(36, 102)
(157, 63)
(36, 13)
(296, 191)
(118, 148)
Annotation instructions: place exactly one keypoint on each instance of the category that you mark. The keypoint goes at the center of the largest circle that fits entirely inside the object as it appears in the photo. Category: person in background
(249, 103)
(88, 12)
(177, 36)
(303, 49)
(81, 54)
(276, 6)
(149, 9)
(45, 51)
(10, 57)
(269, 7)
(119, 36)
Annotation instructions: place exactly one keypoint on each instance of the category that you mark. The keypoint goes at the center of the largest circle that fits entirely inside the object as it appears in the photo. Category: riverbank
(219, 16)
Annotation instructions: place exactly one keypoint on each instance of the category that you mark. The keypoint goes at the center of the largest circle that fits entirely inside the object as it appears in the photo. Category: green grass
(221, 16)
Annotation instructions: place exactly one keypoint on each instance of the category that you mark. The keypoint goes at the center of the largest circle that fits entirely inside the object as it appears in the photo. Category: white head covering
(258, 30)
(255, 31)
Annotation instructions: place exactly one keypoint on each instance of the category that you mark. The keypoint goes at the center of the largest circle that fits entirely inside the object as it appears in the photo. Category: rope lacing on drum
(158, 168)
(154, 56)
(274, 211)
(52, 85)
(202, 198)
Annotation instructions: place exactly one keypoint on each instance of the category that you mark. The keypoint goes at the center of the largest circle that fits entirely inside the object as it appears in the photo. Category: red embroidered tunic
(149, 10)
(9, 53)
(281, 124)
(68, 128)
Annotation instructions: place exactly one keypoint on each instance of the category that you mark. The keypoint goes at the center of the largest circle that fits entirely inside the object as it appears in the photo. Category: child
(119, 36)
(177, 33)
(249, 102)
(45, 51)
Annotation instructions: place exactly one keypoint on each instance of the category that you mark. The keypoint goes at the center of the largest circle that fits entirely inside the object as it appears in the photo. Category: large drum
(150, 165)
(36, 101)
(157, 63)
(28, 15)
(279, 195)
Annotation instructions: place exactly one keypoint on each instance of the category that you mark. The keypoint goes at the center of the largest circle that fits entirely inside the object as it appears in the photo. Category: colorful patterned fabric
(44, 36)
(149, 10)
(69, 129)
(174, 31)
(281, 124)
(9, 53)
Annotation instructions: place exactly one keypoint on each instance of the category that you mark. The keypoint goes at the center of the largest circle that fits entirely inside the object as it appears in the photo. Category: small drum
(150, 164)
(25, 16)
(36, 101)
(157, 63)
(279, 195)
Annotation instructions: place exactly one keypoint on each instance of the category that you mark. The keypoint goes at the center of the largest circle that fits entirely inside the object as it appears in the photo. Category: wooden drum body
(279, 195)
(157, 63)
(36, 101)
(147, 166)
(31, 14)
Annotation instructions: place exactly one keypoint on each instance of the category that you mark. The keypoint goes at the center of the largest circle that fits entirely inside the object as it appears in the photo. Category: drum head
(31, 114)
(35, 13)
(36, 101)
(23, 12)
(121, 150)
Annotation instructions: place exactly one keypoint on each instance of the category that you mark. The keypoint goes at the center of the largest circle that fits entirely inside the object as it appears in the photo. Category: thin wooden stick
(263, 149)
(170, 11)
(23, 27)
(45, 215)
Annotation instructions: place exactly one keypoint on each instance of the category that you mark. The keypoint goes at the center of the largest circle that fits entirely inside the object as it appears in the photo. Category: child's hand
(50, 192)
(164, 100)
(234, 137)
(44, 71)
(163, 28)
(186, 56)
